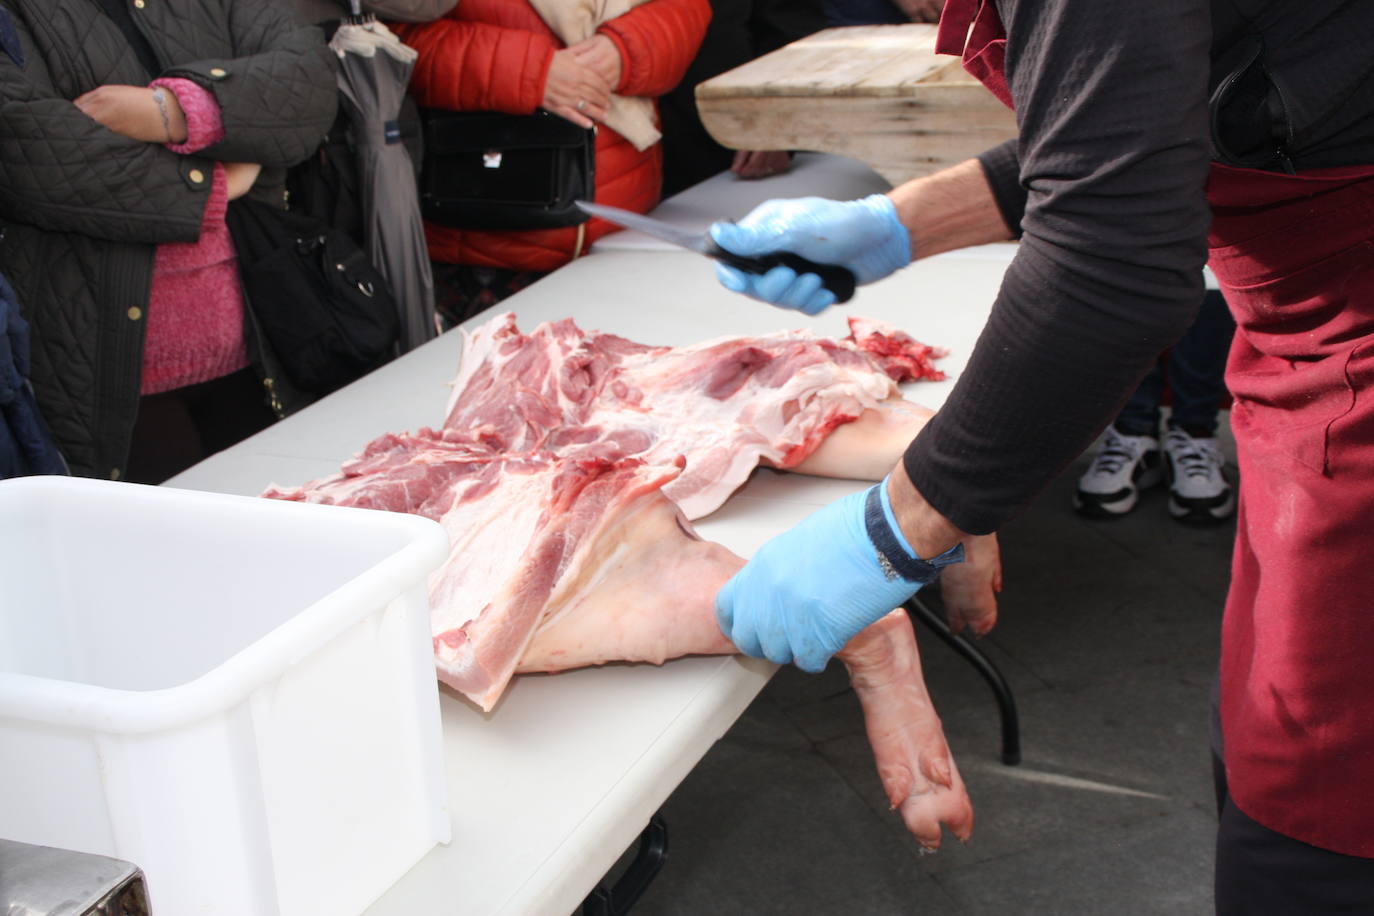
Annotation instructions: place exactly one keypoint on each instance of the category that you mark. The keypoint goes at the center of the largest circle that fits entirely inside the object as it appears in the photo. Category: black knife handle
(839, 280)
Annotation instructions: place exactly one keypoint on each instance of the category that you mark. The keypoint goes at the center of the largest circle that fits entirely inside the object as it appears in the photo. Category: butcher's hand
(863, 235)
(809, 590)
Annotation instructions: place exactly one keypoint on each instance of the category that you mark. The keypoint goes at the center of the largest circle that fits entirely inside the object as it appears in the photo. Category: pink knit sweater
(195, 310)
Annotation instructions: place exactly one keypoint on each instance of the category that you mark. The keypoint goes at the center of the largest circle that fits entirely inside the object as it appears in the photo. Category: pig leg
(914, 762)
(645, 592)
(868, 447)
(648, 594)
(969, 589)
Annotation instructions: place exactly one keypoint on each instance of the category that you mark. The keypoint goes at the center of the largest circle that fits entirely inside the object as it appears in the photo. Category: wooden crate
(879, 94)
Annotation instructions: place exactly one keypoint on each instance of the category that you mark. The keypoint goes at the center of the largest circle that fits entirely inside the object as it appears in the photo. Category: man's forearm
(953, 208)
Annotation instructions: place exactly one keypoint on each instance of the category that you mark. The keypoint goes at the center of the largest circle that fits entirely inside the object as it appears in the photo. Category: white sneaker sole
(1112, 505)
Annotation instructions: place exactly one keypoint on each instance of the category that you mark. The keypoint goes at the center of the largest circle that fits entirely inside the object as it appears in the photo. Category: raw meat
(553, 443)
(555, 438)
(551, 435)
(870, 446)
(726, 405)
(647, 594)
(553, 476)
(969, 589)
(901, 355)
(529, 534)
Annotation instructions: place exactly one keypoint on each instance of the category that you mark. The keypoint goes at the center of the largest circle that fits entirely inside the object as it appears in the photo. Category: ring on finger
(581, 104)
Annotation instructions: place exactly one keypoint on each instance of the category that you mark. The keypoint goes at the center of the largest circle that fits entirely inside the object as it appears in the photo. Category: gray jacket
(83, 208)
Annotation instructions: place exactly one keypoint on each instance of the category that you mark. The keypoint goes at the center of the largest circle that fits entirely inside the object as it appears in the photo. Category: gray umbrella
(373, 73)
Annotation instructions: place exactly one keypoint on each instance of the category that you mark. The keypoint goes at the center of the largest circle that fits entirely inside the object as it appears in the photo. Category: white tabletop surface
(549, 788)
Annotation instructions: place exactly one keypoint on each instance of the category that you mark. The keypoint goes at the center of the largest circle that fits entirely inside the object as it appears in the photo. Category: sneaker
(1198, 491)
(1123, 466)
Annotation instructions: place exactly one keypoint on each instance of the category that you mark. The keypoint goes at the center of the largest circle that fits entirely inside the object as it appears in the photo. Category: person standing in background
(740, 31)
(503, 55)
(1130, 458)
(26, 446)
(124, 132)
(881, 12)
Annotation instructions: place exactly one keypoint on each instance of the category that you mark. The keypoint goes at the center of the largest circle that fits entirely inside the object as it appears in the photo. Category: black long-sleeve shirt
(1106, 185)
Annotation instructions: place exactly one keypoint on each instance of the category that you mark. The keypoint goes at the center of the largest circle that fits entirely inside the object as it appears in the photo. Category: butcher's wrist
(926, 531)
(896, 557)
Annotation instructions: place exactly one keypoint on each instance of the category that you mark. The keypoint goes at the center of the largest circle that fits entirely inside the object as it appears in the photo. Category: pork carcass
(559, 474)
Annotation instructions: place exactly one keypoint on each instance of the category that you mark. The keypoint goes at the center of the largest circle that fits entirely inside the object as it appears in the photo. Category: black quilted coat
(83, 208)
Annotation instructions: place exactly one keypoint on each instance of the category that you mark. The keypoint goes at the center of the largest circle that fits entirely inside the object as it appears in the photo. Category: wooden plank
(899, 138)
(882, 59)
(878, 94)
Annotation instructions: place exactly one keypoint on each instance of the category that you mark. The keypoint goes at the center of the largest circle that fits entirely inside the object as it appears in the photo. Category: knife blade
(839, 280)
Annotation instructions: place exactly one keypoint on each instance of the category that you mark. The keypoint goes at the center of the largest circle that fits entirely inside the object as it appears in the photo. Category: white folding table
(551, 787)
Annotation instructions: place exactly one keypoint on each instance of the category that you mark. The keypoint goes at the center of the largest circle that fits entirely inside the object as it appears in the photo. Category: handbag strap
(581, 240)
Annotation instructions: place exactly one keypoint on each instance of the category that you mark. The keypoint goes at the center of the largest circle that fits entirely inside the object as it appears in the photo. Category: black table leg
(1006, 703)
(617, 900)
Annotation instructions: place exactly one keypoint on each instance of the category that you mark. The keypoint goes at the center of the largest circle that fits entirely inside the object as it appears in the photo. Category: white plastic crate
(235, 694)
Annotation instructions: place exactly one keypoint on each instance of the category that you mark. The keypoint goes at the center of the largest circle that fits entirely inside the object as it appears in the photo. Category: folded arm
(657, 41)
(63, 171)
(458, 57)
(278, 96)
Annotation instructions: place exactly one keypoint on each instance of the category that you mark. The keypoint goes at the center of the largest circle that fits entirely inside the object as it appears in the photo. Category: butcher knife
(839, 280)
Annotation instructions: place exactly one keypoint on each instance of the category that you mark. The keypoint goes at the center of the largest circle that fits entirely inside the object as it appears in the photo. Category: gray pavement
(1108, 637)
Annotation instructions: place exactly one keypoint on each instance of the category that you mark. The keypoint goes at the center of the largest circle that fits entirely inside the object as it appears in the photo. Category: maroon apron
(1294, 255)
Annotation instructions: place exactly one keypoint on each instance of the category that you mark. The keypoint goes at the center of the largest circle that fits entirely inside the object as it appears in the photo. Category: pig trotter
(914, 763)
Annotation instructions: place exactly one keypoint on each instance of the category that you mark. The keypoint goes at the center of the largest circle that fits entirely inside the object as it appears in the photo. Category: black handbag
(326, 311)
(487, 170)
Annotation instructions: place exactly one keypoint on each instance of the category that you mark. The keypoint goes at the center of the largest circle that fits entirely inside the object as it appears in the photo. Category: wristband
(895, 557)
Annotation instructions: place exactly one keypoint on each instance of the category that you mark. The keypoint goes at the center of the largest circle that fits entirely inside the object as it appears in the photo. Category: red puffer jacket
(494, 55)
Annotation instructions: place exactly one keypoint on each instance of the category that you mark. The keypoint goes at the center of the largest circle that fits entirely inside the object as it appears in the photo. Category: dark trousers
(178, 428)
(1194, 369)
(1260, 872)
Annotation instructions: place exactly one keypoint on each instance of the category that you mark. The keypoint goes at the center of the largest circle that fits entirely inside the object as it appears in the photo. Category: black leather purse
(326, 311)
(487, 170)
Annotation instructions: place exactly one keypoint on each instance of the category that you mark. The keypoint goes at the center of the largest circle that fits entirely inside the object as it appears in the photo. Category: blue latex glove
(863, 235)
(811, 589)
